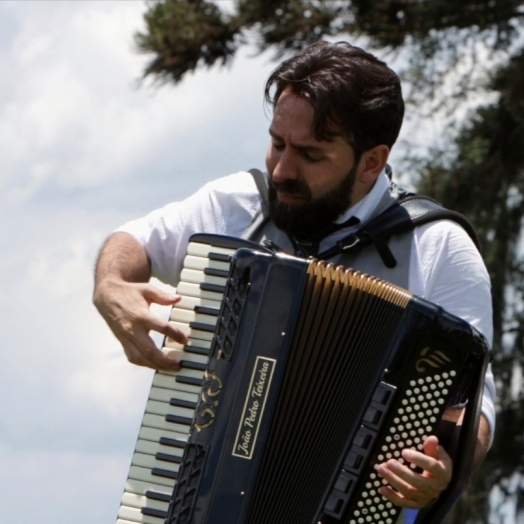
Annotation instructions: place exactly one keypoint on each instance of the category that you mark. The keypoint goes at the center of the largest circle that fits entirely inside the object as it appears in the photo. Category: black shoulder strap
(412, 211)
(261, 183)
(409, 212)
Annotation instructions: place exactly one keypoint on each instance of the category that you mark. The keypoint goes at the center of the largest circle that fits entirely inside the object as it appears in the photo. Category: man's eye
(309, 157)
(278, 147)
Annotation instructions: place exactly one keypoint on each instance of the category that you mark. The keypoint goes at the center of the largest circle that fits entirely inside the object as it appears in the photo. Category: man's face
(310, 181)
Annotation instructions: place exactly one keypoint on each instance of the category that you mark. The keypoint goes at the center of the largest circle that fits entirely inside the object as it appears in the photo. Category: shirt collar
(365, 207)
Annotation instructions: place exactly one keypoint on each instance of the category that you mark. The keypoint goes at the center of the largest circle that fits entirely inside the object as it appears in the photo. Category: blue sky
(83, 149)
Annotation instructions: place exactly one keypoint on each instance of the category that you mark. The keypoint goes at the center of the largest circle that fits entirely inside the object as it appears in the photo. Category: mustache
(292, 187)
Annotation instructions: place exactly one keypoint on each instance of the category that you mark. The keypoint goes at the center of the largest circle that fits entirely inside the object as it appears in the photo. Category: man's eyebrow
(300, 147)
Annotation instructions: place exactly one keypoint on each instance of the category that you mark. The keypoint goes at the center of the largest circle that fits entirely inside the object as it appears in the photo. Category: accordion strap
(463, 459)
(410, 211)
(261, 183)
(403, 216)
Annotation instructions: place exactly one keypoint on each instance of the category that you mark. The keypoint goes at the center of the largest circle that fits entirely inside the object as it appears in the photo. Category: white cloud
(76, 107)
(82, 149)
(60, 486)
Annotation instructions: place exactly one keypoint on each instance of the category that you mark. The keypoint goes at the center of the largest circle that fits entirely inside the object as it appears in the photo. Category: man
(337, 113)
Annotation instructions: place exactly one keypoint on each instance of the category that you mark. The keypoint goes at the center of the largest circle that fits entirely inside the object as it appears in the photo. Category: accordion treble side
(317, 374)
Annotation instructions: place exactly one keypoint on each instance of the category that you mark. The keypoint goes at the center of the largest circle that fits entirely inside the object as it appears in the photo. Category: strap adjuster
(349, 242)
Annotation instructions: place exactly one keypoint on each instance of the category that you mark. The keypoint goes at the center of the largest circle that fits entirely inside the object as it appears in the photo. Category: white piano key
(140, 487)
(149, 461)
(164, 408)
(187, 316)
(145, 475)
(170, 343)
(203, 250)
(139, 501)
(191, 332)
(160, 422)
(188, 373)
(193, 290)
(201, 263)
(191, 303)
(165, 395)
(167, 381)
(135, 515)
(185, 356)
(155, 434)
(199, 277)
(147, 447)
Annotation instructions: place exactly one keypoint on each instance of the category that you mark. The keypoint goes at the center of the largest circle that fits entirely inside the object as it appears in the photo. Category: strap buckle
(349, 242)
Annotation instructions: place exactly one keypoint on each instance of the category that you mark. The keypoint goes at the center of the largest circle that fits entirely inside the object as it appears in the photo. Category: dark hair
(353, 93)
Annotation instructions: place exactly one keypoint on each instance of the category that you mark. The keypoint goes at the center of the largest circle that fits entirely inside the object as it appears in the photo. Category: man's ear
(372, 163)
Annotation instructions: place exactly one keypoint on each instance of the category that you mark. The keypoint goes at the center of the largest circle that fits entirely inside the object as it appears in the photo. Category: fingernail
(381, 469)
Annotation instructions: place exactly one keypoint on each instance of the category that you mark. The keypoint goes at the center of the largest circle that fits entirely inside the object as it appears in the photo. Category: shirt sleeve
(452, 274)
(225, 206)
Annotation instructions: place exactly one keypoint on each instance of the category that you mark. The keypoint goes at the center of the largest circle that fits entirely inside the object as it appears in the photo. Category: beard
(314, 218)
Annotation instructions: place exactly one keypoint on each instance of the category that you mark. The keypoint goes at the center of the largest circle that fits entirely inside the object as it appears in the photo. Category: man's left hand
(410, 489)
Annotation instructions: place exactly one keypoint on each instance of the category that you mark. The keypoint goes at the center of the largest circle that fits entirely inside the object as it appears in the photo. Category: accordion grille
(345, 323)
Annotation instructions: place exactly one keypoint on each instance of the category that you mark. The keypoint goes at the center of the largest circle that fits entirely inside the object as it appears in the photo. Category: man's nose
(286, 167)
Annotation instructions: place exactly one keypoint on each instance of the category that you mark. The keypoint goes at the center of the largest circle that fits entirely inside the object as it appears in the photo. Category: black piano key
(211, 311)
(202, 327)
(153, 495)
(165, 473)
(190, 381)
(224, 273)
(196, 350)
(213, 288)
(187, 364)
(221, 257)
(150, 512)
(177, 419)
(172, 442)
(183, 403)
(168, 458)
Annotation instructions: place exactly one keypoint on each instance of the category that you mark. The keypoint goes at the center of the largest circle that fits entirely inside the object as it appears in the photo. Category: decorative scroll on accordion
(316, 374)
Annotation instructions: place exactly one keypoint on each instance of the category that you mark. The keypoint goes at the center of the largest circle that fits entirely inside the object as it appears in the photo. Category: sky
(84, 147)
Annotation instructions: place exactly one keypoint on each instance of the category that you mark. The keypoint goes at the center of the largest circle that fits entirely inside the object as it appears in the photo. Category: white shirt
(445, 266)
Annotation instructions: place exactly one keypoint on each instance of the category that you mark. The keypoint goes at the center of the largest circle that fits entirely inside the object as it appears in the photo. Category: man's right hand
(125, 308)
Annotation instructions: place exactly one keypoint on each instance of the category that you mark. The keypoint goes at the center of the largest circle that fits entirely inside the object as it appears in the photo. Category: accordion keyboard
(173, 395)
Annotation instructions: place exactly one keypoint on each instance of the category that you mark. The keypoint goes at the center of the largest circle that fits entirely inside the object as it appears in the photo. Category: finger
(437, 467)
(134, 355)
(166, 328)
(398, 499)
(433, 449)
(406, 488)
(431, 446)
(400, 477)
(143, 352)
(157, 296)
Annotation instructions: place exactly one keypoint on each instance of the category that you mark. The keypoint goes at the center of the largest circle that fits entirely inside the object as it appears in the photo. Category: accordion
(312, 375)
